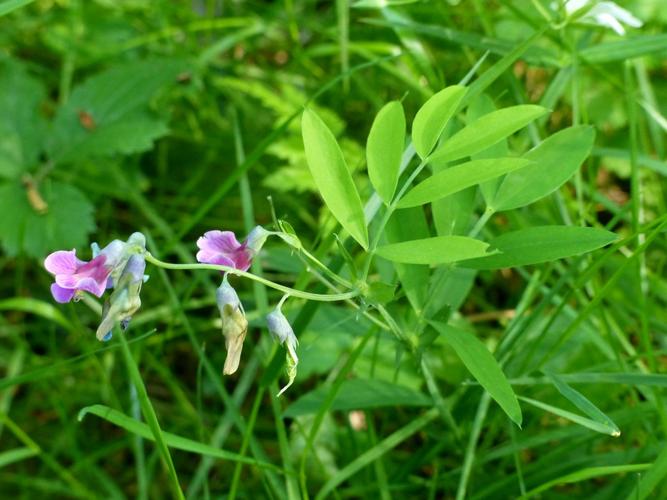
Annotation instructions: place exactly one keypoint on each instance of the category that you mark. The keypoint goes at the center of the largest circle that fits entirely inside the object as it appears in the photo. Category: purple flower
(74, 275)
(222, 248)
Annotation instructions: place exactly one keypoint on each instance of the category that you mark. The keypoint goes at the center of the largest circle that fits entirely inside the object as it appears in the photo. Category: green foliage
(432, 118)
(384, 149)
(535, 245)
(483, 366)
(458, 178)
(67, 222)
(437, 250)
(463, 243)
(332, 176)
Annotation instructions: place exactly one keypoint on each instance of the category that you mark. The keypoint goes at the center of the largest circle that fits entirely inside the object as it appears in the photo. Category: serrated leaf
(384, 149)
(432, 118)
(538, 244)
(556, 159)
(483, 366)
(358, 394)
(333, 179)
(21, 124)
(108, 112)
(459, 177)
(487, 131)
(437, 250)
(65, 225)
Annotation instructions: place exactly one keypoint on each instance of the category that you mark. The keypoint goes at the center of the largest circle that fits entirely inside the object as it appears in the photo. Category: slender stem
(388, 213)
(226, 269)
(481, 222)
(329, 272)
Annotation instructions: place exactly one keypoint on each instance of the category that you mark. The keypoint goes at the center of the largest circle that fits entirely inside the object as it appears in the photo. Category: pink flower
(223, 249)
(73, 275)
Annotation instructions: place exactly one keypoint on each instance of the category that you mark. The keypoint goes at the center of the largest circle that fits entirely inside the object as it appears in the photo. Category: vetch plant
(450, 152)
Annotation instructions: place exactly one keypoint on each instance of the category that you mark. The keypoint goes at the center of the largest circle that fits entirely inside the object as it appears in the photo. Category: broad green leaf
(539, 244)
(405, 225)
(22, 126)
(555, 160)
(108, 113)
(459, 177)
(66, 224)
(333, 179)
(385, 148)
(572, 417)
(359, 394)
(432, 118)
(438, 250)
(172, 440)
(487, 131)
(581, 402)
(483, 366)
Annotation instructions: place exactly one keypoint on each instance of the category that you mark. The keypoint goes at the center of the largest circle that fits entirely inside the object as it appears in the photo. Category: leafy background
(175, 118)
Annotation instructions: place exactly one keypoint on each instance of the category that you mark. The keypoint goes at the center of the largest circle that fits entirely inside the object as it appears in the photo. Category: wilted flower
(125, 299)
(606, 14)
(282, 331)
(222, 248)
(234, 325)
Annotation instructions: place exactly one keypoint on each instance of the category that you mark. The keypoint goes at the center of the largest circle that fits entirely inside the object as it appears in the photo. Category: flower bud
(282, 331)
(234, 325)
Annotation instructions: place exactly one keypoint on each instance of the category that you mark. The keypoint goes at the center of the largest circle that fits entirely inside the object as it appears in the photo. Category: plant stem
(335, 297)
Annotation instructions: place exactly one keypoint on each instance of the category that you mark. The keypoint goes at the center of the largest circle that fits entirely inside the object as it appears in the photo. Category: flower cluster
(120, 266)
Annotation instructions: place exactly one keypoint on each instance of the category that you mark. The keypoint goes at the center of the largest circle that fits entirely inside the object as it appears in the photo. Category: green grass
(213, 140)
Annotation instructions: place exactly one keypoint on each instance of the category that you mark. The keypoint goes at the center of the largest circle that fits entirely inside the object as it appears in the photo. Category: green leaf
(16, 455)
(581, 402)
(483, 366)
(432, 118)
(384, 149)
(556, 159)
(572, 417)
(539, 244)
(358, 394)
(487, 131)
(10, 5)
(437, 250)
(108, 113)
(628, 48)
(38, 307)
(22, 126)
(333, 179)
(459, 177)
(66, 224)
(405, 225)
(172, 440)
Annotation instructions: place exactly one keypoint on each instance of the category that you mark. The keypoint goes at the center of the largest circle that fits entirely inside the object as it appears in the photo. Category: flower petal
(219, 241)
(62, 295)
(208, 257)
(62, 262)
